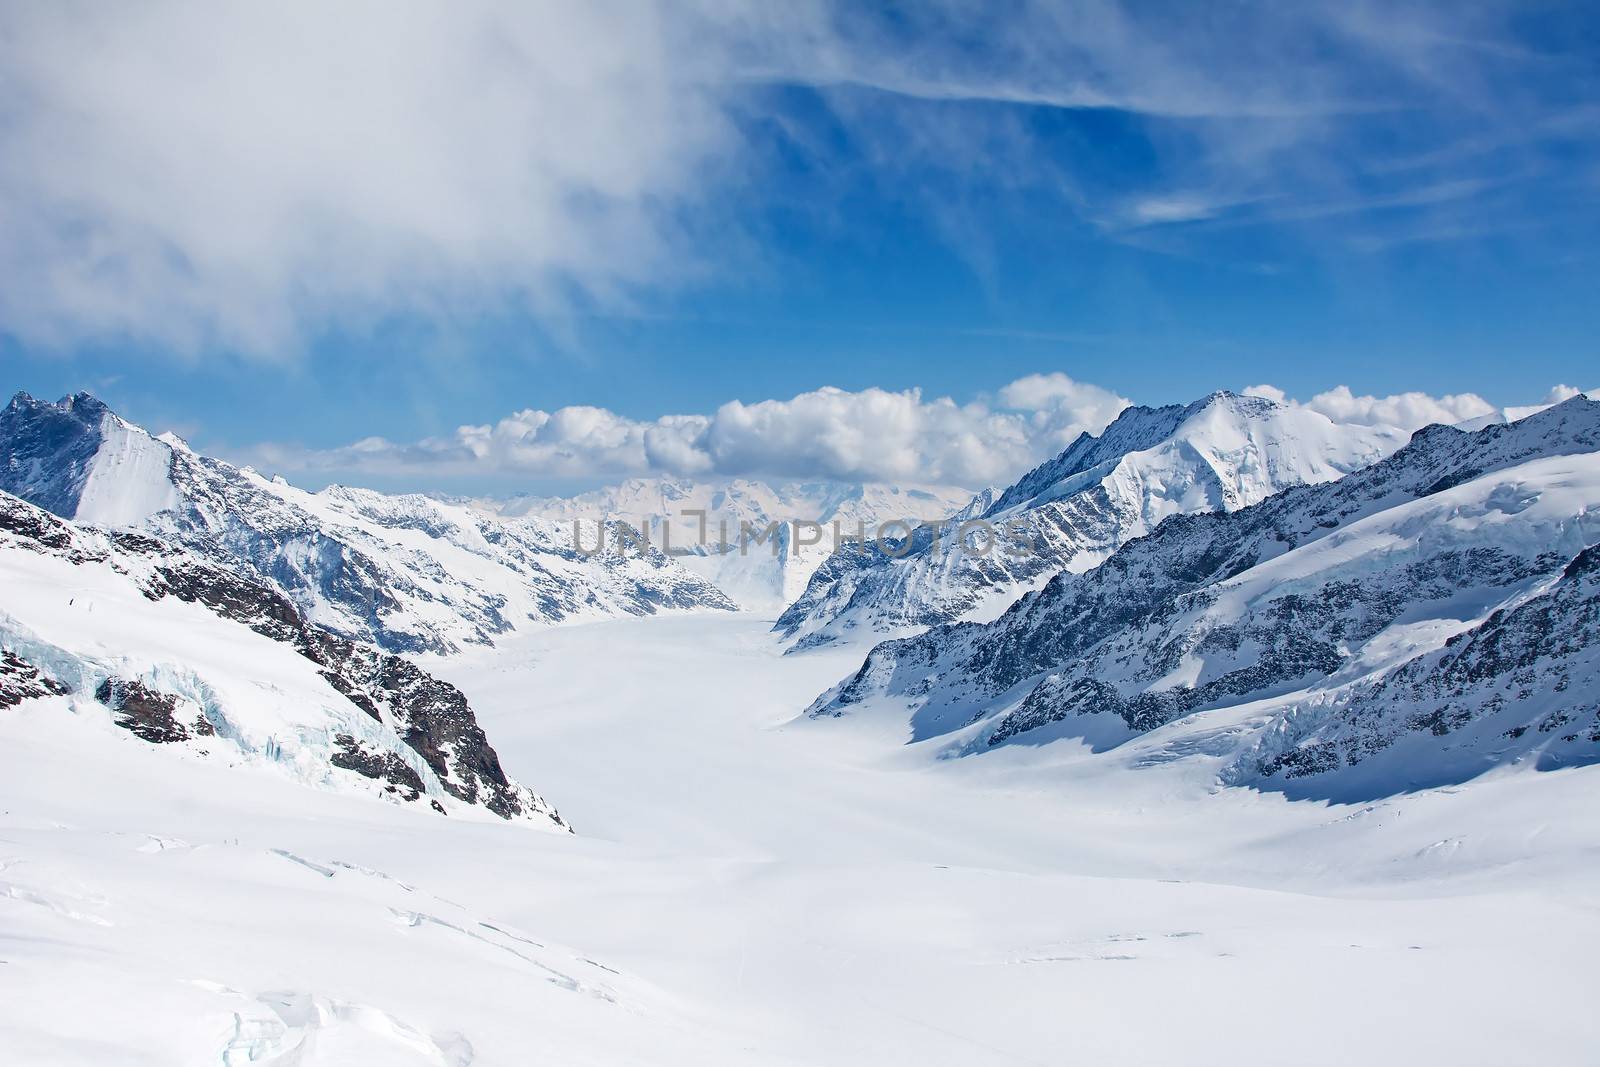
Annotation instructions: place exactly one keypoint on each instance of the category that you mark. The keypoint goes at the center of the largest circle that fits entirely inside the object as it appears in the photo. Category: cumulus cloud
(1408, 411)
(1556, 395)
(835, 434)
(870, 435)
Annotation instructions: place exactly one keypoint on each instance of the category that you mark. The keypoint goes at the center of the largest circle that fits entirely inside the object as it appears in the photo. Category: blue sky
(657, 211)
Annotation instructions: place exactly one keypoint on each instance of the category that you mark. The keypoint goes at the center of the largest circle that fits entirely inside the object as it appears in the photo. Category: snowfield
(751, 886)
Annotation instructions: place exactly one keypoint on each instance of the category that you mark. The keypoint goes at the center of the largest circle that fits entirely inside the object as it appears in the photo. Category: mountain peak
(1241, 403)
(82, 406)
(84, 403)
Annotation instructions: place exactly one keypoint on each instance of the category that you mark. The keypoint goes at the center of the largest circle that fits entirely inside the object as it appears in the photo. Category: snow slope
(1223, 452)
(128, 481)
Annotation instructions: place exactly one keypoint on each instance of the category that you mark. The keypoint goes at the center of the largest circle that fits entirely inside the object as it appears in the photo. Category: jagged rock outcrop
(21, 680)
(149, 714)
(1525, 680)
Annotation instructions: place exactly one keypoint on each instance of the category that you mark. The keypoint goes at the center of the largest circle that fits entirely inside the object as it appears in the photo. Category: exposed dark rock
(431, 716)
(46, 449)
(383, 766)
(21, 680)
(145, 712)
(1535, 667)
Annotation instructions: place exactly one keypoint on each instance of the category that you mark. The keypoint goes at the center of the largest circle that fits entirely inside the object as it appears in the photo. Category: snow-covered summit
(1223, 452)
(79, 459)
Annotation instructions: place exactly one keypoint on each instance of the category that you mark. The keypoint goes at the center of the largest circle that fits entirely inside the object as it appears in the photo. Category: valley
(748, 885)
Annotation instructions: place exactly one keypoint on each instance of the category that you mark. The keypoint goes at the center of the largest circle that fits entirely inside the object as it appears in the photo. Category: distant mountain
(1220, 453)
(1414, 622)
(180, 651)
(762, 575)
(406, 572)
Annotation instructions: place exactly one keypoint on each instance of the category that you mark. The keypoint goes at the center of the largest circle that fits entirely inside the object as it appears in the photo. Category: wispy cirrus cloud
(239, 176)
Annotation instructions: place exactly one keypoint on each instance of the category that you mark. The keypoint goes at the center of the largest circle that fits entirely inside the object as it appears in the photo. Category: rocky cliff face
(1523, 683)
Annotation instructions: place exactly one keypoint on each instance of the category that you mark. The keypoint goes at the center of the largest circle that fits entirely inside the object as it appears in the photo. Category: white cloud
(1173, 209)
(870, 435)
(1408, 411)
(242, 175)
(234, 172)
(1556, 395)
(1270, 392)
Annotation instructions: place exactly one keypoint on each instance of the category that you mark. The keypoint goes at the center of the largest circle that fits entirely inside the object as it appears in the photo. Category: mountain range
(407, 573)
(1416, 621)
(1353, 592)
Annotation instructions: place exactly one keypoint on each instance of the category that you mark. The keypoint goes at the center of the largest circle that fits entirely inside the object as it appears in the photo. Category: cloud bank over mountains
(828, 433)
(871, 435)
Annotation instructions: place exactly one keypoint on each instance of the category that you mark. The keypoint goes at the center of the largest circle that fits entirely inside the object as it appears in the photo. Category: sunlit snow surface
(750, 887)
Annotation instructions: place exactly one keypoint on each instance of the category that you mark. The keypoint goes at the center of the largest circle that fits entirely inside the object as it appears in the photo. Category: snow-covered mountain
(729, 550)
(1446, 593)
(408, 573)
(1223, 452)
(180, 651)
